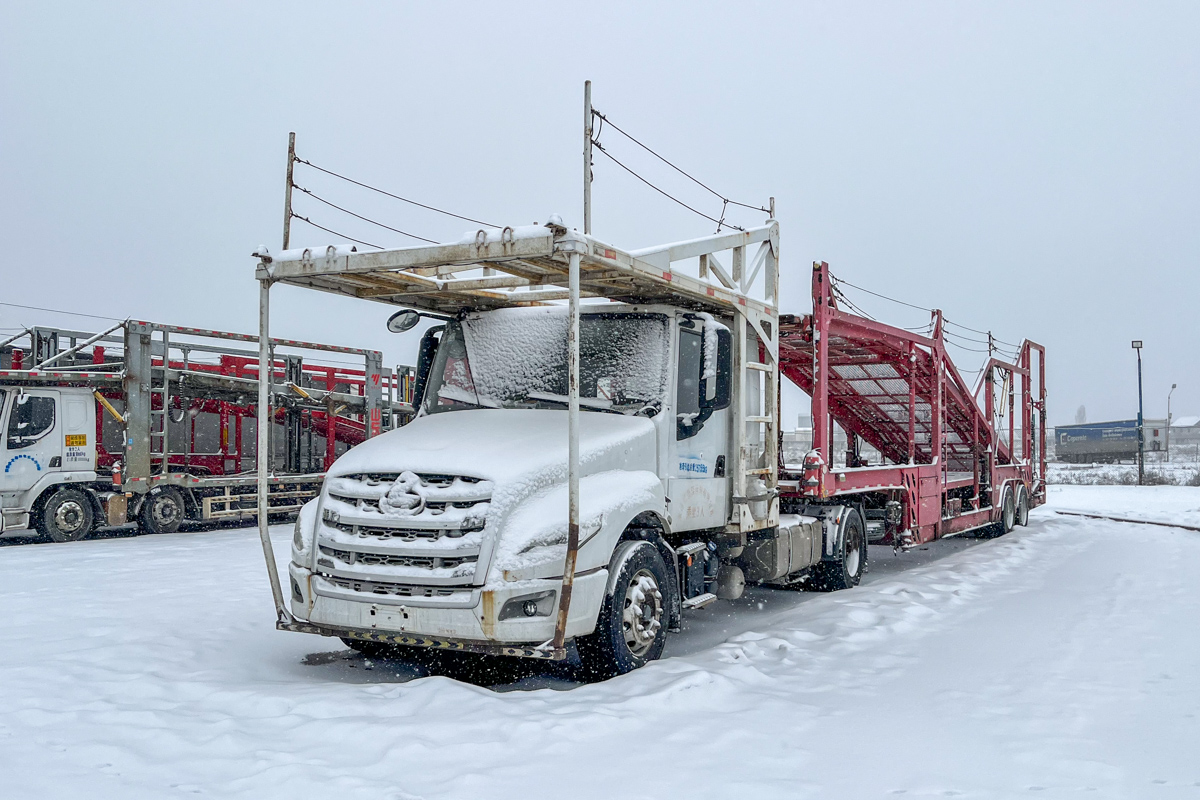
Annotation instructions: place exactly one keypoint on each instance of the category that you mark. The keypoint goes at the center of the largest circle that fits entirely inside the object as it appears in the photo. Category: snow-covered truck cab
(500, 520)
(455, 524)
(49, 447)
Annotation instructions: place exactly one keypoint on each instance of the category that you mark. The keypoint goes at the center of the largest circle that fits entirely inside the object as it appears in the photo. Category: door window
(32, 417)
(687, 397)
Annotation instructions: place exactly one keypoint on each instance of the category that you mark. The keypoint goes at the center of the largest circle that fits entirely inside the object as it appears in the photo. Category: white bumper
(472, 618)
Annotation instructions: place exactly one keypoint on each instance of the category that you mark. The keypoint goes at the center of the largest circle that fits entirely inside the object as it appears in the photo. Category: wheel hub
(165, 511)
(68, 517)
(642, 617)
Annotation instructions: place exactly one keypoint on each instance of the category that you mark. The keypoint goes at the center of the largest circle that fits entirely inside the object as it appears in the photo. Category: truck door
(698, 483)
(32, 444)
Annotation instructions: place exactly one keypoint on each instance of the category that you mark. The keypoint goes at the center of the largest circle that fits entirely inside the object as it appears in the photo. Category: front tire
(631, 630)
(66, 517)
(847, 569)
(162, 511)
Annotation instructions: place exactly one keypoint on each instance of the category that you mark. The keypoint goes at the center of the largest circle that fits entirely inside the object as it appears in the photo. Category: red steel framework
(949, 456)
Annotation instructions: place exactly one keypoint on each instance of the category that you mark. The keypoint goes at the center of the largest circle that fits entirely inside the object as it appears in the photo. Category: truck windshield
(517, 358)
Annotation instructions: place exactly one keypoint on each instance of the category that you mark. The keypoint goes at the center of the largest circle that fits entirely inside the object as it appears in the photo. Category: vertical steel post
(564, 600)
(822, 422)
(912, 403)
(1042, 408)
(139, 362)
(287, 193)
(265, 369)
(587, 157)
(373, 391)
(936, 443)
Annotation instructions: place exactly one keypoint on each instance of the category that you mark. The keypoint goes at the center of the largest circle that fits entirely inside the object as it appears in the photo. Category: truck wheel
(162, 510)
(631, 630)
(847, 569)
(66, 517)
(1022, 507)
(1008, 511)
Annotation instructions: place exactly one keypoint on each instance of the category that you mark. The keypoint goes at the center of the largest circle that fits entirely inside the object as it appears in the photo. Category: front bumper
(472, 626)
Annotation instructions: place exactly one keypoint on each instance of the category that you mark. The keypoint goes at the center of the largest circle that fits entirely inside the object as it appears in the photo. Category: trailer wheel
(162, 510)
(66, 517)
(631, 630)
(1022, 507)
(1008, 511)
(847, 569)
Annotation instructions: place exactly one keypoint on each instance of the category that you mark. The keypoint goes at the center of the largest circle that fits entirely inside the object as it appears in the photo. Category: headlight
(305, 528)
(298, 536)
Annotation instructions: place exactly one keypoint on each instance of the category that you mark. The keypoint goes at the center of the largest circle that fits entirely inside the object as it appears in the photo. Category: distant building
(1186, 434)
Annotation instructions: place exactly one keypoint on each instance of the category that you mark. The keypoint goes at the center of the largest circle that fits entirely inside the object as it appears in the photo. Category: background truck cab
(49, 446)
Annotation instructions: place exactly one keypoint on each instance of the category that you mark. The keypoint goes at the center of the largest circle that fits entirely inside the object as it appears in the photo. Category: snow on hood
(523, 452)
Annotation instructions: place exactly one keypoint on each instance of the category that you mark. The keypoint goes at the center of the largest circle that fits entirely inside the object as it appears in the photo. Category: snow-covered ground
(1059, 661)
(1181, 471)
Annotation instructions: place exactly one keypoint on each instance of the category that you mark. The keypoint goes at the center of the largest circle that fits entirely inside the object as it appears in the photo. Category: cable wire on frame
(393, 196)
(320, 199)
(335, 233)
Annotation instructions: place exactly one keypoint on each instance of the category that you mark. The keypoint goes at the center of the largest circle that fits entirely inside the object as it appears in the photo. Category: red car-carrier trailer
(953, 457)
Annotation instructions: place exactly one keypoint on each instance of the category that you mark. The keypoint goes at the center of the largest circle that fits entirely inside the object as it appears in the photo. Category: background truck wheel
(162, 511)
(66, 517)
(1022, 507)
(847, 570)
(631, 630)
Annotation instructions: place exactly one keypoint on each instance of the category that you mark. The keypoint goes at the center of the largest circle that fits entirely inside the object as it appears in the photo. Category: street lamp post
(1137, 345)
(1173, 385)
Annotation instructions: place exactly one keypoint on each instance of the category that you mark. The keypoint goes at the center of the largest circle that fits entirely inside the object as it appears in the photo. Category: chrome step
(699, 601)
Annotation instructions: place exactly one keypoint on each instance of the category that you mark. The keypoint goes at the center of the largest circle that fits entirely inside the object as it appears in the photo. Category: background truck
(1106, 442)
(156, 423)
(591, 471)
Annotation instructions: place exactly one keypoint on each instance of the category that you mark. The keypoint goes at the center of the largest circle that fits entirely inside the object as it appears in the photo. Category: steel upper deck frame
(532, 266)
(900, 392)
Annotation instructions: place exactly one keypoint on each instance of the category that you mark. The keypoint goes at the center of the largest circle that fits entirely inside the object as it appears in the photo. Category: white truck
(152, 423)
(586, 472)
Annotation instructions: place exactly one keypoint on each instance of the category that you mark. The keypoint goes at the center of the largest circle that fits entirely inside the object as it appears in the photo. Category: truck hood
(506, 446)
(515, 465)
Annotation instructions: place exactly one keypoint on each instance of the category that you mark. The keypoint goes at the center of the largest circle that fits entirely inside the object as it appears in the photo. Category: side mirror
(403, 321)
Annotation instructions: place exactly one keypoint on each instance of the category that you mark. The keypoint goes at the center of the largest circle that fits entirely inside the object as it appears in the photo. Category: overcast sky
(1031, 168)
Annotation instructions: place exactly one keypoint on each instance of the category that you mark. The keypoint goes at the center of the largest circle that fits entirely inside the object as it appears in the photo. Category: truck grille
(384, 593)
(403, 528)
(352, 557)
(394, 589)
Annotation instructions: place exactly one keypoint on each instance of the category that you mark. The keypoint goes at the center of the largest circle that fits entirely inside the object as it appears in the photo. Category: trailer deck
(900, 392)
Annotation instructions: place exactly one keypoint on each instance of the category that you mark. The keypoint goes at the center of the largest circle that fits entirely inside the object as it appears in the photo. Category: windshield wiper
(590, 403)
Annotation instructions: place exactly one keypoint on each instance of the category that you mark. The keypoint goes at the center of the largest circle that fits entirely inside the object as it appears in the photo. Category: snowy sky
(1030, 168)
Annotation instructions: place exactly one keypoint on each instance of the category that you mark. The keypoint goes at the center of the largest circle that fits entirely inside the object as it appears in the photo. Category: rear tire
(162, 511)
(66, 517)
(847, 569)
(631, 630)
(1008, 511)
(1022, 507)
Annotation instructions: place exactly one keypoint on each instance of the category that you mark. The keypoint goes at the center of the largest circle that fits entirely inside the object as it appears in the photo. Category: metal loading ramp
(884, 392)
(891, 387)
